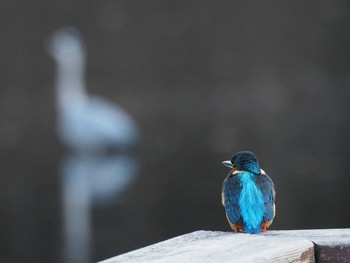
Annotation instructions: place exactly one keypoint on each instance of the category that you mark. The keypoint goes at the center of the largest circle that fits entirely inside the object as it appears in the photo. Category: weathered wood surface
(209, 246)
(331, 245)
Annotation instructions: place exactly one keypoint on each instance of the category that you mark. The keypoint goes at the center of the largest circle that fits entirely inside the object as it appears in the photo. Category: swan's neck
(70, 85)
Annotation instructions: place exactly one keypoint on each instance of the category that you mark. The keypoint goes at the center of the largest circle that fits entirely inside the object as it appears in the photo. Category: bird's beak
(228, 164)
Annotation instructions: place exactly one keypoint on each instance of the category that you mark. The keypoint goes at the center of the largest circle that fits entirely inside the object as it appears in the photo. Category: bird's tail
(251, 203)
(251, 230)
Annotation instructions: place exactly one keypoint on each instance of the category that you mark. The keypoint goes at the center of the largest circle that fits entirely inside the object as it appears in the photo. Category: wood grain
(214, 246)
(331, 245)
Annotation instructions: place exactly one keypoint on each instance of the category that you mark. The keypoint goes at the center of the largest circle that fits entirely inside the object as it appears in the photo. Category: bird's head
(243, 161)
(66, 46)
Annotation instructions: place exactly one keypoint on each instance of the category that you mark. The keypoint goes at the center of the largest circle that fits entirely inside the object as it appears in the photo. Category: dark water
(203, 80)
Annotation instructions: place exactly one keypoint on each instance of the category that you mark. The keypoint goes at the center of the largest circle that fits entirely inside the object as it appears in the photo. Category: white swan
(85, 123)
(88, 126)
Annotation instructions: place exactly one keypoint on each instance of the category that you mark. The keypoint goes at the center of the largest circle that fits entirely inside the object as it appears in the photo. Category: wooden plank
(331, 245)
(214, 246)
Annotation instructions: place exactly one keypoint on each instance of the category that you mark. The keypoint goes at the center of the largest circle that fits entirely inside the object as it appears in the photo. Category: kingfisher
(248, 195)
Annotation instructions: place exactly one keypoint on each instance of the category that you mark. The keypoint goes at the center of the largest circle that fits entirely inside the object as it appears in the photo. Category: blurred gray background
(202, 80)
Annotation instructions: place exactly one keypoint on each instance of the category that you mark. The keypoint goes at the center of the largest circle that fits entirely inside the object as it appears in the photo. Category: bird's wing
(231, 190)
(266, 186)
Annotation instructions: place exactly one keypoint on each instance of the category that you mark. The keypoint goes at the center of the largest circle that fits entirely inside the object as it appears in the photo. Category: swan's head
(65, 45)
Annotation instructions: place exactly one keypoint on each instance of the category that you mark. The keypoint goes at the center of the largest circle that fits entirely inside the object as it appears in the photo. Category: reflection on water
(87, 180)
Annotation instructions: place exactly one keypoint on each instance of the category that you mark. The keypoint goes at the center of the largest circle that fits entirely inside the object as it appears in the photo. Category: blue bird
(248, 195)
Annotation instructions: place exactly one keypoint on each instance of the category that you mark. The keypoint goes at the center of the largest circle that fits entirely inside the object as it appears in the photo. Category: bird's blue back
(248, 199)
(251, 203)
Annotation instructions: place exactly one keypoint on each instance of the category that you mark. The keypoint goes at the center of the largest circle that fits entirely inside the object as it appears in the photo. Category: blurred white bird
(85, 123)
(89, 126)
